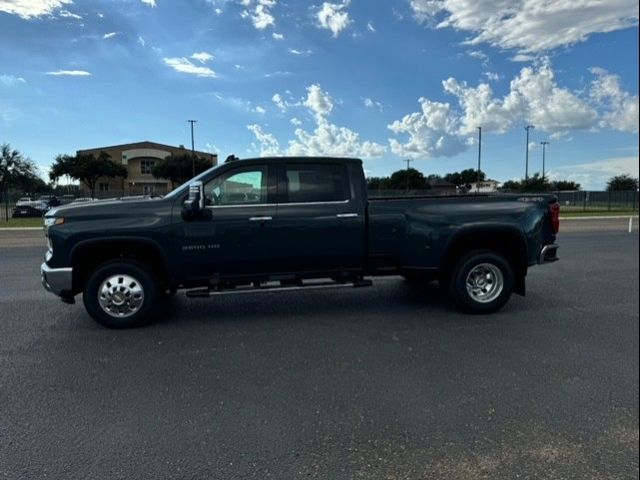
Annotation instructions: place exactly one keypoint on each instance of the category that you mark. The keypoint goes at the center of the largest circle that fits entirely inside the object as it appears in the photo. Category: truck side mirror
(194, 205)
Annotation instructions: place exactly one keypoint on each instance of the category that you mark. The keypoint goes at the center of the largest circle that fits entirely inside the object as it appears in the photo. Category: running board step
(277, 287)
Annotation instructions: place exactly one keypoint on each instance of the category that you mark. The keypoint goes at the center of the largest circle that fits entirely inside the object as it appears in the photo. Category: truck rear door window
(316, 183)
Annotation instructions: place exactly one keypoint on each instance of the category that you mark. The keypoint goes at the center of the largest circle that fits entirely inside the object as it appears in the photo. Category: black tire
(143, 280)
(491, 270)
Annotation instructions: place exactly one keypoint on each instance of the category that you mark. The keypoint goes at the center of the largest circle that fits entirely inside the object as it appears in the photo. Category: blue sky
(383, 80)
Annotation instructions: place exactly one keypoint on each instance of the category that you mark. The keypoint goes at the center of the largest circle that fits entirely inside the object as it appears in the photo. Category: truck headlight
(51, 221)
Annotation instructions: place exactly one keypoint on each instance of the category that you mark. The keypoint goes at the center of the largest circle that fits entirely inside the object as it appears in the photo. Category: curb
(604, 217)
(17, 229)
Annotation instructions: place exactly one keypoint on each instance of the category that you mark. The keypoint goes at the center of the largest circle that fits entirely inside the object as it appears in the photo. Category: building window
(103, 187)
(148, 189)
(146, 166)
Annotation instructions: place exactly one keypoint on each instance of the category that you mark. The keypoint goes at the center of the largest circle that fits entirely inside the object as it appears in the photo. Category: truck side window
(316, 183)
(244, 186)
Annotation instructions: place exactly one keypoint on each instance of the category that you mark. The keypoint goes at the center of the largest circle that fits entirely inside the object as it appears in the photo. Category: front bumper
(57, 280)
(548, 254)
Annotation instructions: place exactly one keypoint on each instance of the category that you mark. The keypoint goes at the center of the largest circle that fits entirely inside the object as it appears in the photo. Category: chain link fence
(578, 201)
(24, 205)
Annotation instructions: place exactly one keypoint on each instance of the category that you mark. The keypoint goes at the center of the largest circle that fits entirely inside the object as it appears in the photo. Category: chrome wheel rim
(484, 283)
(120, 296)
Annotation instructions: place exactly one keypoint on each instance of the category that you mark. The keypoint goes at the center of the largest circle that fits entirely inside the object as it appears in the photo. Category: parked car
(68, 198)
(282, 223)
(26, 211)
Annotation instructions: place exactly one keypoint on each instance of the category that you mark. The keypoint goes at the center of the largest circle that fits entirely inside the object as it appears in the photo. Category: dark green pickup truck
(290, 223)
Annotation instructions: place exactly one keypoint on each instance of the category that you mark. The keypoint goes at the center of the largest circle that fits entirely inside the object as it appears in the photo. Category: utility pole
(193, 150)
(526, 153)
(544, 145)
(479, 156)
(408, 160)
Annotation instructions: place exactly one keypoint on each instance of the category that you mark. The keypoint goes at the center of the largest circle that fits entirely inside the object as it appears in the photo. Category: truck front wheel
(121, 294)
(481, 282)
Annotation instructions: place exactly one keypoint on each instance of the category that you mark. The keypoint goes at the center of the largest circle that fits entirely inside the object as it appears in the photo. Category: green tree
(378, 183)
(535, 184)
(408, 179)
(511, 185)
(88, 169)
(465, 177)
(15, 169)
(178, 168)
(622, 183)
(564, 185)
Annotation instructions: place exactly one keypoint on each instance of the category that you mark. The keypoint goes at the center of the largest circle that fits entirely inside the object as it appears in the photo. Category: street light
(479, 156)
(193, 150)
(544, 145)
(526, 153)
(408, 160)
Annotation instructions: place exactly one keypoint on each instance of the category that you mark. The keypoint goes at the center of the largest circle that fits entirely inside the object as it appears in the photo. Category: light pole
(479, 156)
(408, 160)
(544, 148)
(193, 150)
(526, 153)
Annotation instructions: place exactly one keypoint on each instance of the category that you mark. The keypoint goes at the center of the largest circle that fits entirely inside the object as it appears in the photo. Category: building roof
(145, 144)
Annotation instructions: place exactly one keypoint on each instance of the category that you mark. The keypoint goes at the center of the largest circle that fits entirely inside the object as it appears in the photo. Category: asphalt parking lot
(387, 382)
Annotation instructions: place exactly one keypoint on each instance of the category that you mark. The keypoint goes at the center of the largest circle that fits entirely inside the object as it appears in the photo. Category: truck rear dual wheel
(481, 282)
(121, 294)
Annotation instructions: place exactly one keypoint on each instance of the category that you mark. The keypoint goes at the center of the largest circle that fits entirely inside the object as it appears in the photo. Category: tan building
(139, 158)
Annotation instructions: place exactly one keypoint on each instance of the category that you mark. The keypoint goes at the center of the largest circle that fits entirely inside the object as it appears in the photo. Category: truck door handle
(347, 215)
(260, 219)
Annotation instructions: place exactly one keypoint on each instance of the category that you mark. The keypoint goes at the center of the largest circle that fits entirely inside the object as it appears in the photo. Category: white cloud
(318, 101)
(151, 3)
(110, 35)
(295, 122)
(300, 52)
(141, 41)
(11, 80)
(432, 132)
(622, 110)
(259, 11)
(277, 36)
(479, 54)
(202, 57)
(370, 27)
(269, 145)
(28, 9)
(370, 103)
(594, 175)
(68, 14)
(334, 17)
(70, 73)
(279, 101)
(325, 139)
(491, 76)
(260, 110)
(528, 26)
(534, 97)
(184, 65)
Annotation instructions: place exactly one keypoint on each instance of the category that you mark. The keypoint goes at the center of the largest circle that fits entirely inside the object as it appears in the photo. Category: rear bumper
(56, 280)
(548, 254)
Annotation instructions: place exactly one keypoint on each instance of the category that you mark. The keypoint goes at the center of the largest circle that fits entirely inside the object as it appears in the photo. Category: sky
(382, 80)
